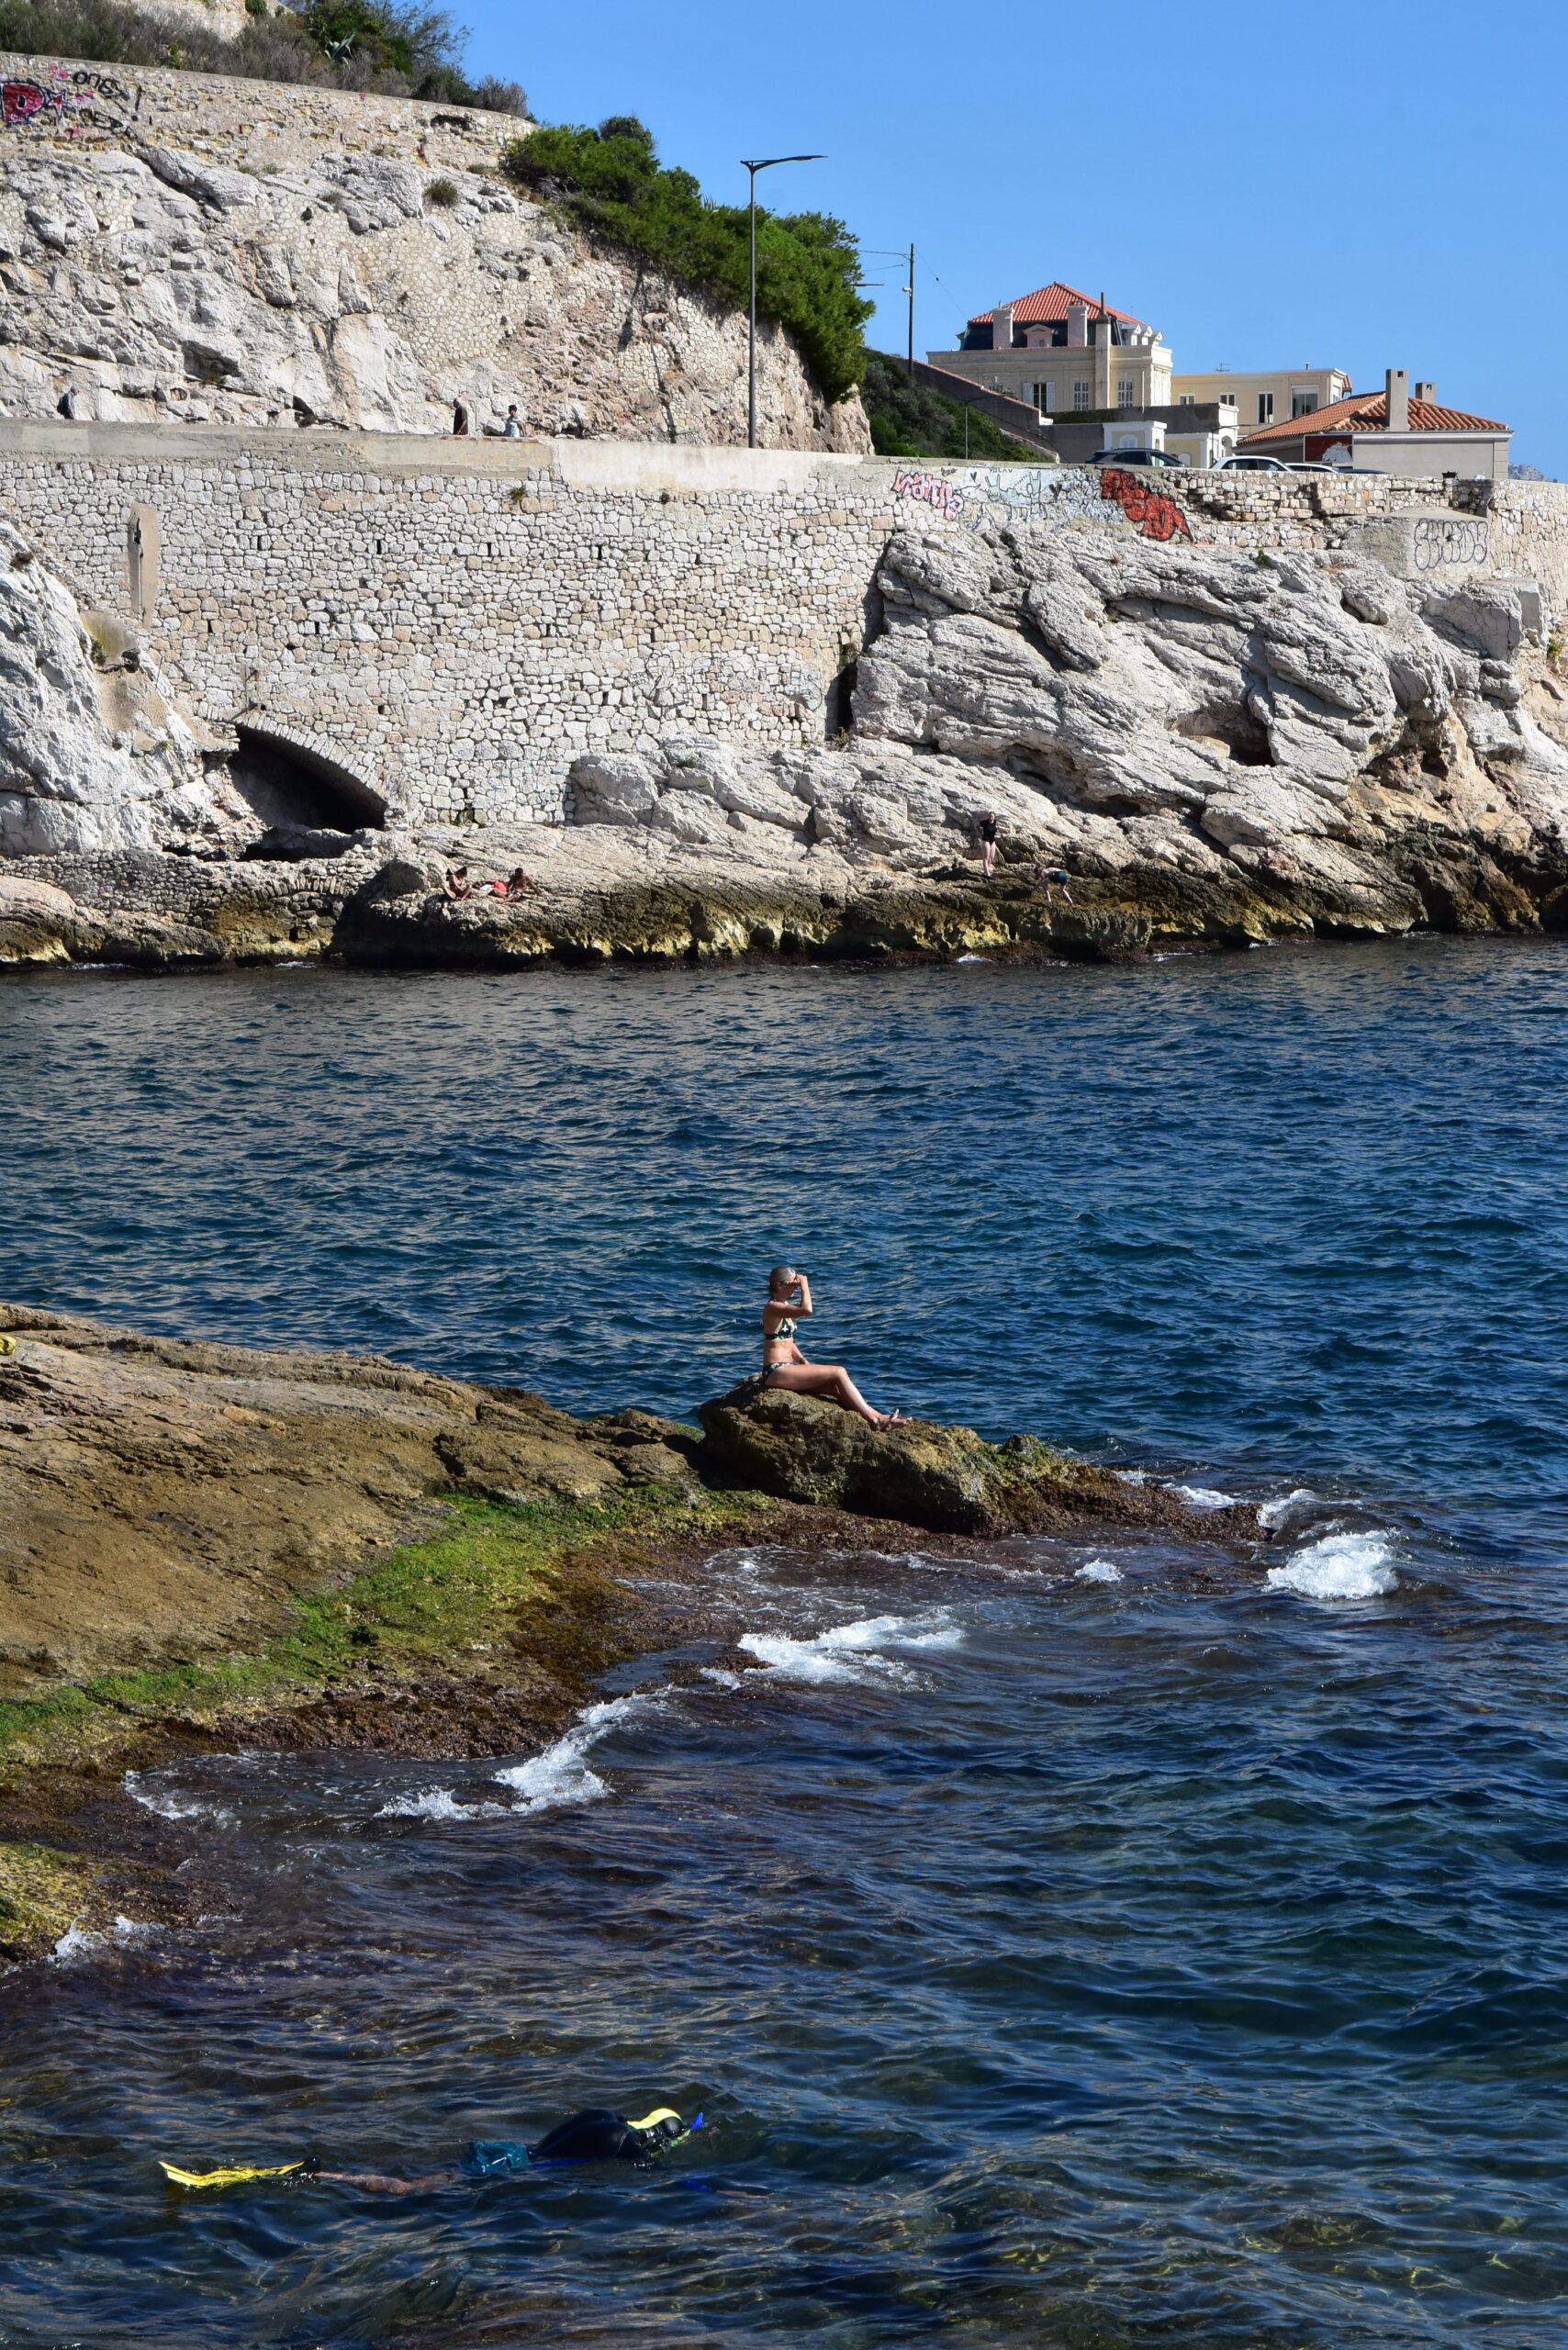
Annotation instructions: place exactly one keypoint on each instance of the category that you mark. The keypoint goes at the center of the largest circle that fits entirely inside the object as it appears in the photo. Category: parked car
(1310, 465)
(1136, 458)
(1252, 465)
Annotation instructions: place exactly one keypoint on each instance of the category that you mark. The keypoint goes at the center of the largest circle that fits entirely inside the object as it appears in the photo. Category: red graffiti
(21, 101)
(1157, 516)
(80, 94)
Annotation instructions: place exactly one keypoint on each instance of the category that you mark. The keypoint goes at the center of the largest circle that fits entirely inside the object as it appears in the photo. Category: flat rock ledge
(947, 1480)
(162, 1500)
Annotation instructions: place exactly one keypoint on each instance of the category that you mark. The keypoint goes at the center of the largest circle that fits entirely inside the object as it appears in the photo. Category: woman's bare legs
(381, 2185)
(831, 1378)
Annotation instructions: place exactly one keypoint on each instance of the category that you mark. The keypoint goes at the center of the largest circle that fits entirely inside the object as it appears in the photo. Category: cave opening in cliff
(296, 790)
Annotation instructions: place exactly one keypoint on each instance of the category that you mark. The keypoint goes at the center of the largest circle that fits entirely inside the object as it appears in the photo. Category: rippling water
(1067, 1948)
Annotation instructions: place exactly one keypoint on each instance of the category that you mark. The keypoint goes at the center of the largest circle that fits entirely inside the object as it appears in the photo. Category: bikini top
(786, 1331)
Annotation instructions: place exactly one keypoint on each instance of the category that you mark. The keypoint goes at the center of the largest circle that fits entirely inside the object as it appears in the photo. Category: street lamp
(764, 164)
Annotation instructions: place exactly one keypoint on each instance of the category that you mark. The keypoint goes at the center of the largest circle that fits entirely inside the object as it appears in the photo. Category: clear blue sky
(1376, 187)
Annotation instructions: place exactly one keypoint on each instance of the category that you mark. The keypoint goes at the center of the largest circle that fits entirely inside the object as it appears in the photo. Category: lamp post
(765, 164)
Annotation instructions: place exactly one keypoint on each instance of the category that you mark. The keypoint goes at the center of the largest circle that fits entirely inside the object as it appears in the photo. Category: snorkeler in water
(597, 2136)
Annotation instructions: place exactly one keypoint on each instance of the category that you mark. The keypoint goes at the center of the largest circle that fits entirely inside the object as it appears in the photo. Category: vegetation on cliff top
(394, 50)
(808, 265)
(907, 420)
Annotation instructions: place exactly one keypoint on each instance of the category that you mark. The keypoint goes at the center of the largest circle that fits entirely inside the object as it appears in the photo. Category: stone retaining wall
(455, 623)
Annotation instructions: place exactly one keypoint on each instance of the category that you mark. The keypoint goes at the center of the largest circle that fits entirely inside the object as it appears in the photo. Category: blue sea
(1090, 1944)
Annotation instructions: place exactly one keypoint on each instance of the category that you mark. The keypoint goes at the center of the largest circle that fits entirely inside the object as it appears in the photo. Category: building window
(1081, 393)
(1186, 399)
(1265, 408)
(1303, 403)
(1045, 397)
(1126, 388)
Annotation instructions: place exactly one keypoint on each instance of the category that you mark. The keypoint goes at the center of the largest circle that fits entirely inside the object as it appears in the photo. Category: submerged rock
(949, 1480)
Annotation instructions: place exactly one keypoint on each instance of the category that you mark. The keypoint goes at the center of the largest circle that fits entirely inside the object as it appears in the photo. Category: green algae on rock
(946, 1479)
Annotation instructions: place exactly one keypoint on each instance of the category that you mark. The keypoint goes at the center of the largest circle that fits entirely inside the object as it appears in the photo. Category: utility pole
(908, 289)
(763, 163)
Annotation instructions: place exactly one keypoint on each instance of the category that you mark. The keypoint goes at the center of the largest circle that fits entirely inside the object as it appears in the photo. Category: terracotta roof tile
(1368, 412)
(1051, 302)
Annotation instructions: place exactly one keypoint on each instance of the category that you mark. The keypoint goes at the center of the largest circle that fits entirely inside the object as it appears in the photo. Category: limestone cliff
(94, 754)
(191, 248)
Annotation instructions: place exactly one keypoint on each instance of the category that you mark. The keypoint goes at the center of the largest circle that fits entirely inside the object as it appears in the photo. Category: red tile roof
(1051, 302)
(1368, 412)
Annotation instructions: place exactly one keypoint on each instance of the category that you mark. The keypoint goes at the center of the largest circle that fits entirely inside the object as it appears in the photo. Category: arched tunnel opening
(294, 791)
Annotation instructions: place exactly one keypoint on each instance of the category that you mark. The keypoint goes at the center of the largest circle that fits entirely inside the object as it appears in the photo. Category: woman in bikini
(783, 1364)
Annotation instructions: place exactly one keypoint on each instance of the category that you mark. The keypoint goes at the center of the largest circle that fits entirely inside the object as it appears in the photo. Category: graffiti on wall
(931, 490)
(1440, 540)
(67, 101)
(1020, 494)
(1148, 510)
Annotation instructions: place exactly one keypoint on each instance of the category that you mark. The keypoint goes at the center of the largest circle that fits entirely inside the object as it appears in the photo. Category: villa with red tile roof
(1063, 350)
(1391, 431)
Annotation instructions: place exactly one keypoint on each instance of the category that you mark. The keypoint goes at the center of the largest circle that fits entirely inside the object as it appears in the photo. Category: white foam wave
(1272, 1515)
(1202, 1496)
(852, 1651)
(76, 1942)
(1133, 1476)
(435, 1803)
(561, 1773)
(170, 1805)
(1099, 1571)
(1341, 1566)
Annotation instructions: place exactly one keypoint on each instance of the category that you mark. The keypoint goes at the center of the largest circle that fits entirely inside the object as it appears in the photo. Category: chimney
(1078, 326)
(1397, 381)
(1428, 392)
(1001, 327)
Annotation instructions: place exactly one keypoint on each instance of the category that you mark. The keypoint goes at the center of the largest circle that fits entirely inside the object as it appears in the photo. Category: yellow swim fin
(226, 2177)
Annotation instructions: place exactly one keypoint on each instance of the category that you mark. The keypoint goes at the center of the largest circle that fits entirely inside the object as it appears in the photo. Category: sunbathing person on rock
(783, 1364)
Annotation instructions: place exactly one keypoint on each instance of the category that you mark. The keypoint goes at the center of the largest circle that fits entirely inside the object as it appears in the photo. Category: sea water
(1064, 1947)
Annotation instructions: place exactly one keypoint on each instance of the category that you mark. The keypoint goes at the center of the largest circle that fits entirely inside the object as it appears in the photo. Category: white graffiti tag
(1443, 540)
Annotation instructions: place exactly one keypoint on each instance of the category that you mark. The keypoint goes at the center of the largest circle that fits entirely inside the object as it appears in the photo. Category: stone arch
(291, 777)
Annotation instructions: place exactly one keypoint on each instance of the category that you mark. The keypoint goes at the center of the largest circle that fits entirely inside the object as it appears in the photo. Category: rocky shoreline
(1174, 745)
(207, 1544)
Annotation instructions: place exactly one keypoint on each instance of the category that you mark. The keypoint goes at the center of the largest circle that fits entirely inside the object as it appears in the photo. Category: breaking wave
(561, 1773)
(1341, 1566)
(852, 1651)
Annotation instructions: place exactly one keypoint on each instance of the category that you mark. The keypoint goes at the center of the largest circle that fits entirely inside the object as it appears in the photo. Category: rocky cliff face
(93, 755)
(1195, 728)
(361, 275)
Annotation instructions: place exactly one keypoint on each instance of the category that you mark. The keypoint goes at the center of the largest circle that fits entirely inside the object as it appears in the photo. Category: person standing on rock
(988, 841)
(459, 420)
(783, 1364)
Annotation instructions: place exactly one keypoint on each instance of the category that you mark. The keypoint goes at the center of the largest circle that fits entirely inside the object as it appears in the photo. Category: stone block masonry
(454, 624)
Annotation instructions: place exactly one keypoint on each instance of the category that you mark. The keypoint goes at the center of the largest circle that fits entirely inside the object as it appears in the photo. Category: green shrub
(399, 52)
(612, 181)
(443, 193)
(908, 421)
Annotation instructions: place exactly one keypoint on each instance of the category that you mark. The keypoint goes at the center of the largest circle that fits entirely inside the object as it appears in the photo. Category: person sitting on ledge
(457, 884)
(783, 1364)
(522, 885)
